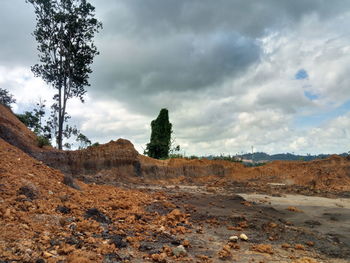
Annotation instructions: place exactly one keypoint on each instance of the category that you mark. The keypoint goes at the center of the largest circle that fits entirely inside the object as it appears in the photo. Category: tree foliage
(65, 30)
(160, 142)
(34, 120)
(6, 98)
(83, 141)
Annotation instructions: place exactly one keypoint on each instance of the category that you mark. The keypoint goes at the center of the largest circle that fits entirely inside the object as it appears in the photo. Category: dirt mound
(43, 219)
(120, 155)
(332, 173)
(15, 132)
(174, 168)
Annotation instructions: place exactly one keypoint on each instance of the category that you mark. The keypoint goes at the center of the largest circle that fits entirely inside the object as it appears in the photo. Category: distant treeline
(258, 158)
(261, 156)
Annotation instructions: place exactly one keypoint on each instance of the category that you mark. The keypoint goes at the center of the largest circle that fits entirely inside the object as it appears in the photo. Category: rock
(312, 223)
(63, 209)
(243, 237)
(72, 240)
(112, 258)
(97, 215)
(72, 226)
(145, 247)
(176, 242)
(30, 191)
(263, 248)
(186, 243)
(233, 238)
(55, 242)
(47, 254)
(69, 181)
(117, 240)
(159, 257)
(179, 251)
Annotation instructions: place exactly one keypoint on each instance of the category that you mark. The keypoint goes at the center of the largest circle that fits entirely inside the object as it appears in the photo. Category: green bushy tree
(160, 142)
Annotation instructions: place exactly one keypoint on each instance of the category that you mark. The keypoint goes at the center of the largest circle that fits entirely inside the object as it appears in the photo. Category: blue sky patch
(310, 95)
(316, 120)
(302, 74)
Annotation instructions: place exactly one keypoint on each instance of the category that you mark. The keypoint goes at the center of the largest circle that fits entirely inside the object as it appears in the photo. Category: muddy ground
(283, 228)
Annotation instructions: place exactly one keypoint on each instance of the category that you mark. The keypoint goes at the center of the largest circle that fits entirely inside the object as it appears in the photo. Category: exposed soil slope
(119, 161)
(43, 219)
(119, 154)
(332, 174)
(15, 132)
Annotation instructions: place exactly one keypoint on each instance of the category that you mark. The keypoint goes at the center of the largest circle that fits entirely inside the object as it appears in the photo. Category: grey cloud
(178, 64)
(289, 101)
(17, 46)
(248, 17)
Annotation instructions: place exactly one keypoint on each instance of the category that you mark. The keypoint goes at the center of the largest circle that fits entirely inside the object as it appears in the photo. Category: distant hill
(261, 156)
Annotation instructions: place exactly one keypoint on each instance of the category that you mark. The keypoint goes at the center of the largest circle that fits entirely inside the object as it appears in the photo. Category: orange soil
(30, 220)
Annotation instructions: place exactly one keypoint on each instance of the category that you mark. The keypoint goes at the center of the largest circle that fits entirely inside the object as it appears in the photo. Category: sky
(272, 74)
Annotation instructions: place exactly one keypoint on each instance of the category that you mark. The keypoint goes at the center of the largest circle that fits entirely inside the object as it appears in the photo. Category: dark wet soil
(323, 234)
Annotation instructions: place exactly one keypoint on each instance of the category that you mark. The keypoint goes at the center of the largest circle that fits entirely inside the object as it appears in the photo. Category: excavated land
(110, 204)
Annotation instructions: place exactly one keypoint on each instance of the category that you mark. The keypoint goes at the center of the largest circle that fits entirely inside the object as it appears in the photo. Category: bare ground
(284, 228)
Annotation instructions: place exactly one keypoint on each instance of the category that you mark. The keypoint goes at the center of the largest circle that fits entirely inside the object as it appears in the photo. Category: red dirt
(33, 227)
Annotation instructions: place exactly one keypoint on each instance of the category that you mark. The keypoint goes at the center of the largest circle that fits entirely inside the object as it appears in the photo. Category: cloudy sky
(273, 74)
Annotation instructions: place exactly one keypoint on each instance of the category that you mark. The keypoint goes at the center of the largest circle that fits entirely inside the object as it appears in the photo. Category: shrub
(43, 141)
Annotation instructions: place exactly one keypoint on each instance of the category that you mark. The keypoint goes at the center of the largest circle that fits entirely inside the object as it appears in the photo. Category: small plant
(43, 141)
(254, 164)
(175, 155)
(228, 158)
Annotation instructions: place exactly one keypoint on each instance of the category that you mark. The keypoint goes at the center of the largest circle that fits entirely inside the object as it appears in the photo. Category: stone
(30, 191)
(47, 254)
(145, 247)
(69, 181)
(117, 240)
(233, 238)
(112, 258)
(179, 251)
(243, 237)
(97, 215)
(63, 209)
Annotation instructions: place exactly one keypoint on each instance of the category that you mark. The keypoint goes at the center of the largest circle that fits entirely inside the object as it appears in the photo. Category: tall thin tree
(64, 31)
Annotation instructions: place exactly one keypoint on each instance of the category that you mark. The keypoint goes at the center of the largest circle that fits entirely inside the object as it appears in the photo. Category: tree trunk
(60, 120)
